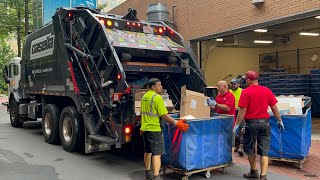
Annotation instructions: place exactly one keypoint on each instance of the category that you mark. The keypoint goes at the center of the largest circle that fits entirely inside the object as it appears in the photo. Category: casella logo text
(42, 47)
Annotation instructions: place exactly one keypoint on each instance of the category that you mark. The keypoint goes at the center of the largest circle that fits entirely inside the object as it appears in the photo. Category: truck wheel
(15, 118)
(50, 124)
(71, 129)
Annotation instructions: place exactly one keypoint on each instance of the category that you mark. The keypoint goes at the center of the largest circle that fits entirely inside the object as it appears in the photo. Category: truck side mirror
(6, 74)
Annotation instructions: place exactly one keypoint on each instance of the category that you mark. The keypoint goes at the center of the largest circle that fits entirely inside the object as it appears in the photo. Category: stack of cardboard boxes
(193, 104)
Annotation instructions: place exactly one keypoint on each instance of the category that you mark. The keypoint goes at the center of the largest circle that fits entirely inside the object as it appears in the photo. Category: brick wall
(197, 18)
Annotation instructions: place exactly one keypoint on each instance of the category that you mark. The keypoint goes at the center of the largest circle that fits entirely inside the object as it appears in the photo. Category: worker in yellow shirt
(153, 111)
(236, 91)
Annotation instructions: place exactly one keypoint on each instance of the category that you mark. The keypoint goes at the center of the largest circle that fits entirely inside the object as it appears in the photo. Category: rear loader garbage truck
(80, 74)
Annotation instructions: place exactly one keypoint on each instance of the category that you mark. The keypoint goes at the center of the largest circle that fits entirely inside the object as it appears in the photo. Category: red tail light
(133, 24)
(127, 130)
(128, 23)
(139, 24)
(171, 32)
(119, 77)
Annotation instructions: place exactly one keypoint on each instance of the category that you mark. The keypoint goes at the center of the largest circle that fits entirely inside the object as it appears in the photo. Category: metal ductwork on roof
(256, 2)
(157, 12)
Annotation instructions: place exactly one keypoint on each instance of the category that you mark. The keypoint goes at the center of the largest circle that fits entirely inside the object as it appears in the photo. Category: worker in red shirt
(225, 101)
(253, 104)
(224, 104)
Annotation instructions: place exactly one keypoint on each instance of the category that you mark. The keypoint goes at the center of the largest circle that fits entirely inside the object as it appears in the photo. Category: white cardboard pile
(289, 105)
(139, 94)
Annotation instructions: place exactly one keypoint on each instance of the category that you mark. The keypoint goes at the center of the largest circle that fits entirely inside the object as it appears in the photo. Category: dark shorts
(257, 132)
(153, 143)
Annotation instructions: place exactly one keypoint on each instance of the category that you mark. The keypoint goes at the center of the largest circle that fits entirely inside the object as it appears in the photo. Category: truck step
(104, 139)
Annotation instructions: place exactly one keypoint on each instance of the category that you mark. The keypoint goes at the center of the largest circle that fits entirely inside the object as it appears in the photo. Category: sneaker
(263, 177)
(148, 174)
(253, 174)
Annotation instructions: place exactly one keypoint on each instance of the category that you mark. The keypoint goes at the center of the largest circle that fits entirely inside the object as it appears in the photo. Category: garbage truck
(80, 73)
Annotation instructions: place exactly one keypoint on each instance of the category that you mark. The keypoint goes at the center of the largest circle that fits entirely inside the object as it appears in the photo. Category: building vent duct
(157, 12)
(257, 2)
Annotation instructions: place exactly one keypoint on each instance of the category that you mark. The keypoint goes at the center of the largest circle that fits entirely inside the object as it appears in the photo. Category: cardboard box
(139, 94)
(289, 105)
(168, 103)
(193, 103)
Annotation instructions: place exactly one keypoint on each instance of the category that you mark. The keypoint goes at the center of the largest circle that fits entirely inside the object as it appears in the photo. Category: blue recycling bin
(295, 141)
(207, 143)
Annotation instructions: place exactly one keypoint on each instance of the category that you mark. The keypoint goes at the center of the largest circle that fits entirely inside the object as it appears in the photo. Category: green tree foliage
(12, 25)
(6, 54)
(12, 20)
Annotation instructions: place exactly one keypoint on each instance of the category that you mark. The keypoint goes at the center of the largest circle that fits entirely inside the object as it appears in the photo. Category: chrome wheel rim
(48, 123)
(67, 129)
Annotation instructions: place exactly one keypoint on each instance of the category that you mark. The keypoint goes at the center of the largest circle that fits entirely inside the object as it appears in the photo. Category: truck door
(14, 76)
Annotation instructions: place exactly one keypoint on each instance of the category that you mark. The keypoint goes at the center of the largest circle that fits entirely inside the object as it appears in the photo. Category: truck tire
(50, 124)
(71, 130)
(15, 118)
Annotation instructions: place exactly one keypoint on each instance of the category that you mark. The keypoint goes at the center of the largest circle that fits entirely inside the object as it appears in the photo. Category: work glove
(211, 102)
(181, 125)
(280, 125)
(236, 129)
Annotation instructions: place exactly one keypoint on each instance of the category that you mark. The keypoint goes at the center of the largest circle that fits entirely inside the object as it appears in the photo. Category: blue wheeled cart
(207, 145)
(293, 144)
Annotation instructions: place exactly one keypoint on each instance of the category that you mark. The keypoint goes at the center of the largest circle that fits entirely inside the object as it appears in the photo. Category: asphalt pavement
(24, 155)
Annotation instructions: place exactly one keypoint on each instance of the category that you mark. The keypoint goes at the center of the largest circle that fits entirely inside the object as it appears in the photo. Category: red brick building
(201, 22)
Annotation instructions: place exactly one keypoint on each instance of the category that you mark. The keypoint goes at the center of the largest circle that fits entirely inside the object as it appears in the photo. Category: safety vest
(152, 108)
(236, 94)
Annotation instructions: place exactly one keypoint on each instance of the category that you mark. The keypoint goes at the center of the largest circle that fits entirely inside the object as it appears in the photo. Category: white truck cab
(13, 74)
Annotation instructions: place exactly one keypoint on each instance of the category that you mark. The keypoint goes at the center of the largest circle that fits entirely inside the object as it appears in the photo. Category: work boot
(253, 174)
(148, 174)
(263, 177)
(157, 178)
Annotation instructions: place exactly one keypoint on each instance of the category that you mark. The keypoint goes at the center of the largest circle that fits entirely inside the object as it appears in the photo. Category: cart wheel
(208, 174)
(224, 170)
(185, 178)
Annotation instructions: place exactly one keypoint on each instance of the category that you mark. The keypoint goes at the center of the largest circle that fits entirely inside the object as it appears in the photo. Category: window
(15, 70)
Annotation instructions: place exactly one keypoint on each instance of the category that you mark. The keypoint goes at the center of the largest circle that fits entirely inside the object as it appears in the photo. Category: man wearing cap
(253, 104)
(236, 91)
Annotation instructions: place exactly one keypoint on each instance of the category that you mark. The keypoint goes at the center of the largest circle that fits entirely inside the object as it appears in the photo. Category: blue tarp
(295, 141)
(207, 143)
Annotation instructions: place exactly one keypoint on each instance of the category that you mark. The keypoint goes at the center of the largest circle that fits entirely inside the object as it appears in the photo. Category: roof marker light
(102, 21)
(109, 23)
(160, 30)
